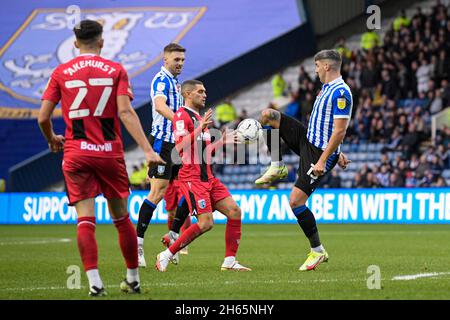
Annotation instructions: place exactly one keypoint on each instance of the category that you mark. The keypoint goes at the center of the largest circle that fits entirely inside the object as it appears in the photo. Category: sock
(169, 222)
(94, 278)
(187, 223)
(229, 261)
(319, 249)
(173, 235)
(140, 242)
(180, 215)
(127, 241)
(87, 244)
(145, 215)
(232, 237)
(307, 222)
(133, 275)
(187, 237)
(271, 142)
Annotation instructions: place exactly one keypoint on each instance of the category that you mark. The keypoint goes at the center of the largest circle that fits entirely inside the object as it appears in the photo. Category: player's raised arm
(131, 122)
(184, 138)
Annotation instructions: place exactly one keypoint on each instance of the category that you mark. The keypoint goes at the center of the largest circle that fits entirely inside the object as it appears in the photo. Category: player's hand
(206, 120)
(153, 159)
(230, 137)
(319, 168)
(343, 161)
(56, 143)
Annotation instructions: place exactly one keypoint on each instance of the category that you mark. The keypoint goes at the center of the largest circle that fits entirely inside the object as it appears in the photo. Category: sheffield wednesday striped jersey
(164, 84)
(333, 102)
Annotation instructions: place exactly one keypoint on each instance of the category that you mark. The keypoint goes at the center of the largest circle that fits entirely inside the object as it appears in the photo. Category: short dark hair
(173, 47)
(88, 31)
(332, 55)
(189, 85)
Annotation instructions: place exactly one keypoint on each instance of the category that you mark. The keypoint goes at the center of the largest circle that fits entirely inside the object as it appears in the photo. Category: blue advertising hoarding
(367, 206)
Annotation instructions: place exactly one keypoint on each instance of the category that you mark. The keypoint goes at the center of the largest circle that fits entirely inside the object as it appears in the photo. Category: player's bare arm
(162, 108)
(55, 142)
(271, 117)
(339, 130)
(131, 122)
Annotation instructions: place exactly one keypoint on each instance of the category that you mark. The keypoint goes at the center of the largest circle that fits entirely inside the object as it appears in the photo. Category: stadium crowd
(397, 85)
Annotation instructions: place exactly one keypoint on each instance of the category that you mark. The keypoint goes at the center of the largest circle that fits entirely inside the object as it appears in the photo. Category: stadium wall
(340, 206)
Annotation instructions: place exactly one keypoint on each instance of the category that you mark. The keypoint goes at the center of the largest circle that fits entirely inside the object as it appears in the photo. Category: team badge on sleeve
(341, 103)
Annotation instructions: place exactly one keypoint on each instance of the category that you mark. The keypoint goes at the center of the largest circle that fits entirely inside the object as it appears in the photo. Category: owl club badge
(161, 170)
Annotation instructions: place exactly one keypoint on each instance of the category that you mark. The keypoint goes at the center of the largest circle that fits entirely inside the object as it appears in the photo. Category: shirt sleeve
(52, 91)
(160, 88)
(342, 103)
(181, 124)
(124, 85)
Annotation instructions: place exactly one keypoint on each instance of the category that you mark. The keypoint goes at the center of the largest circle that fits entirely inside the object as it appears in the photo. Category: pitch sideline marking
(168, 284)
(420, 275)
(62, 240)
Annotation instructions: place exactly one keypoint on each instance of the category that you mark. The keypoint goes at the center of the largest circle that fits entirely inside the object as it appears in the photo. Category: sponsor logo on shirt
(107, 147)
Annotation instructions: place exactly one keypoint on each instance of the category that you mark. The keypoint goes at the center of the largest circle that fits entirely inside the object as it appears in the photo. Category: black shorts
(170, 169)
(293, 133)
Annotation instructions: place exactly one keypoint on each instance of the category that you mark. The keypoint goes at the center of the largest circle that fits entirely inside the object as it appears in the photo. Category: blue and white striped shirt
(164, 84)
(333, 102)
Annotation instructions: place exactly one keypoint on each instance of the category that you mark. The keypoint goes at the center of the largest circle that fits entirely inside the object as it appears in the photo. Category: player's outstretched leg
(204, 224)
(127, 243)
(157, 190)
(169, 238)
(270, 119)
(233, 233)
(307, 223)
(87, 246)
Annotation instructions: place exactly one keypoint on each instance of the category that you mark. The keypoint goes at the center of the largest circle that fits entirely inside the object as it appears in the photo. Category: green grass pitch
(34, 261)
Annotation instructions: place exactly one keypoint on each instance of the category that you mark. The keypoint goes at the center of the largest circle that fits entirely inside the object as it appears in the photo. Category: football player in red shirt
(203, 192)
(95, 93)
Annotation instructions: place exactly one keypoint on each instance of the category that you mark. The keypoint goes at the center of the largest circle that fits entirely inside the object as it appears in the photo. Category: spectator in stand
(225, 112)
(440, 182)
(358, 181)
(389, 85)
(395, 181)
(369, 40)
(278, 85)
(344, 51)
(401, 21)
(423, 167)
(410, 142)
(437, 103)
(383, 176)
(423, 75)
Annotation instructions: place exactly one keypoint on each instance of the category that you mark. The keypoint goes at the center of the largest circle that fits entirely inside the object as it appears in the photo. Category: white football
(249, 130)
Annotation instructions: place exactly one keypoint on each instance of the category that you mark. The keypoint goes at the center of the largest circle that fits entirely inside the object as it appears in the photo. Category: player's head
(194, 94)
(88, 35)
(174, 58)
(328, 62)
